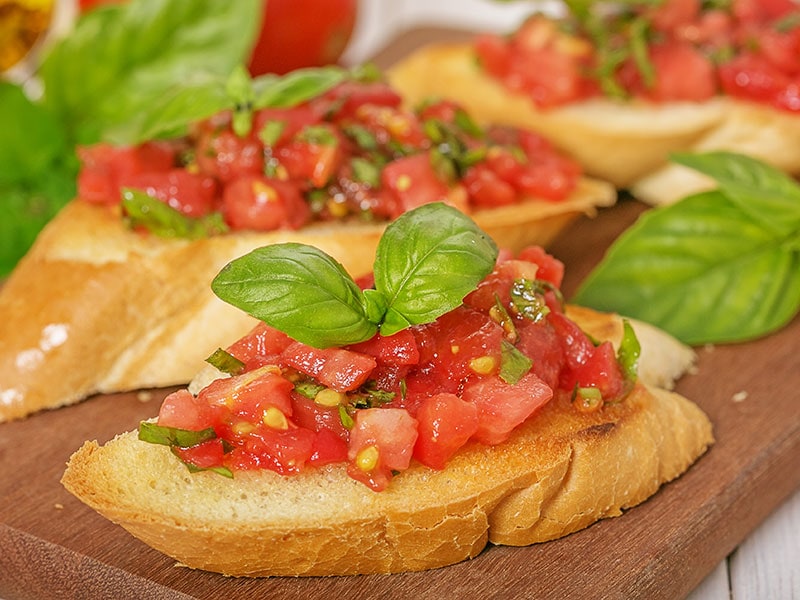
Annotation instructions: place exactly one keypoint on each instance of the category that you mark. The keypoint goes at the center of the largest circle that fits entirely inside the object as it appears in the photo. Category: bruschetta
(440, 425)
(118, 281)
(622, 87)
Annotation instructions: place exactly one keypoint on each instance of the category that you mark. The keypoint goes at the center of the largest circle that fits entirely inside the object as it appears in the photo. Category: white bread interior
(625, 142)
(96, 308)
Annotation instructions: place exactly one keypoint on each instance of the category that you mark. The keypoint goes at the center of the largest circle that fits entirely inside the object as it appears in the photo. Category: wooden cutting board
(52, 546)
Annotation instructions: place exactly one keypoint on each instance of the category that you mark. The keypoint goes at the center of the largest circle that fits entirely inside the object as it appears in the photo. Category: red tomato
(388, 435)
(289, 120)
(328, 448)
(263, 204)
(343, 101)
(600, 370)
(192, 194)
(486, 189)
(445, 423)
(549, 267)
(183, 411)
(411, 182)
(248, 395)
(206, 455)
(302, 33)
(307, 413)
(261, 346)
(105, 168)
(502, 406)
(227, 156)
(337, 368)
(312, 155)
(283, 451)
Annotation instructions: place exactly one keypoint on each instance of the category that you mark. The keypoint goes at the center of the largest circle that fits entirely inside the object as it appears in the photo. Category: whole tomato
(302, 33)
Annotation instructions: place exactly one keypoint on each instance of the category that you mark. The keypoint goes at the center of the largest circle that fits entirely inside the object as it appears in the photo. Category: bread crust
(558, 473)
(94, 307)
(627, 143)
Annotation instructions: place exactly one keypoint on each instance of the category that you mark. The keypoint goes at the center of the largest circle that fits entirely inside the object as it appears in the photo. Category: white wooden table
(766, 566)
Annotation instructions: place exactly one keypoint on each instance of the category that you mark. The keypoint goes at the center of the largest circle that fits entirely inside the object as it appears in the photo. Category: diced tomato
(575, 343)
(680, 73)
(283, 451)
(381, 440)
(550, 268)
(287, 121)
(486, 189)
(336, 368)
(310, 415)
(497, 285)
(264, 204)
(412, 182)
(398, 349)
(262, 345)
(312, 157)
(183, 411)
(191, 194)
(599, 370)
(670, 15)
(389, 124)
(227, 156)
(328, 448)
(206, 455)
(342, 101)
(248, 395)
(105, 167)
(540, 342)
(445, 423)
(461, 345)
(502, 406)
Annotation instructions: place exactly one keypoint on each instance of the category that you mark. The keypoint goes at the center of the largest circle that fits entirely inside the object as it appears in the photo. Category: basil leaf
(295, 87)
(160, 219)
(765, 193)
(427, 260)
(299, 290)
(702, 269)
(173, 436)
(513, 363)
(118, 62)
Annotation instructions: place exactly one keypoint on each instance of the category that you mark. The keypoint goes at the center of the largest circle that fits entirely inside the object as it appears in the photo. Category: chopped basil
(345, 417)
(164, 221)
(365, 171)
(173, 436)
(527, 299)
(225, 362)
(308, 389)
(629, 352)
(513, 363)
(271, 132)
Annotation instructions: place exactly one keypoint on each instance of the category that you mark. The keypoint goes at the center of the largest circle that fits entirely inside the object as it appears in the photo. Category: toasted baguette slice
(559, 472)
(95, 307)
(626, 143)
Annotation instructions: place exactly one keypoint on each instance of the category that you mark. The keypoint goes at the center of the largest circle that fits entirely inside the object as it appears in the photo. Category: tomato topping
(353, 152)
(676, 50)
(445, 423)
(337, 368)
(502, 406)
(382, 440)
(473, 375)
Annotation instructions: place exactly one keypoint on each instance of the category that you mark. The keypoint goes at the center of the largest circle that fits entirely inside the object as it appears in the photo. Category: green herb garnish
(173, 436)
(426, 262)
(718, 266)
(162, 220)
(513, 363)
(225, 362)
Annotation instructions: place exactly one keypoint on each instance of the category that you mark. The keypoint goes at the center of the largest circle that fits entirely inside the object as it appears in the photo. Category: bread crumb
(144, 396)
(739, 396)
(58, 506)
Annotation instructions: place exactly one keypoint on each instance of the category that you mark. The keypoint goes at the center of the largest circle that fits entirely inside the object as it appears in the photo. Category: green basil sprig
(426, 262)
(160, 219)
(719, 266)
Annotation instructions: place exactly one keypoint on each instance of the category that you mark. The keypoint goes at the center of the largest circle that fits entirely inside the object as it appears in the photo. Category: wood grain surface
(52, 546)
